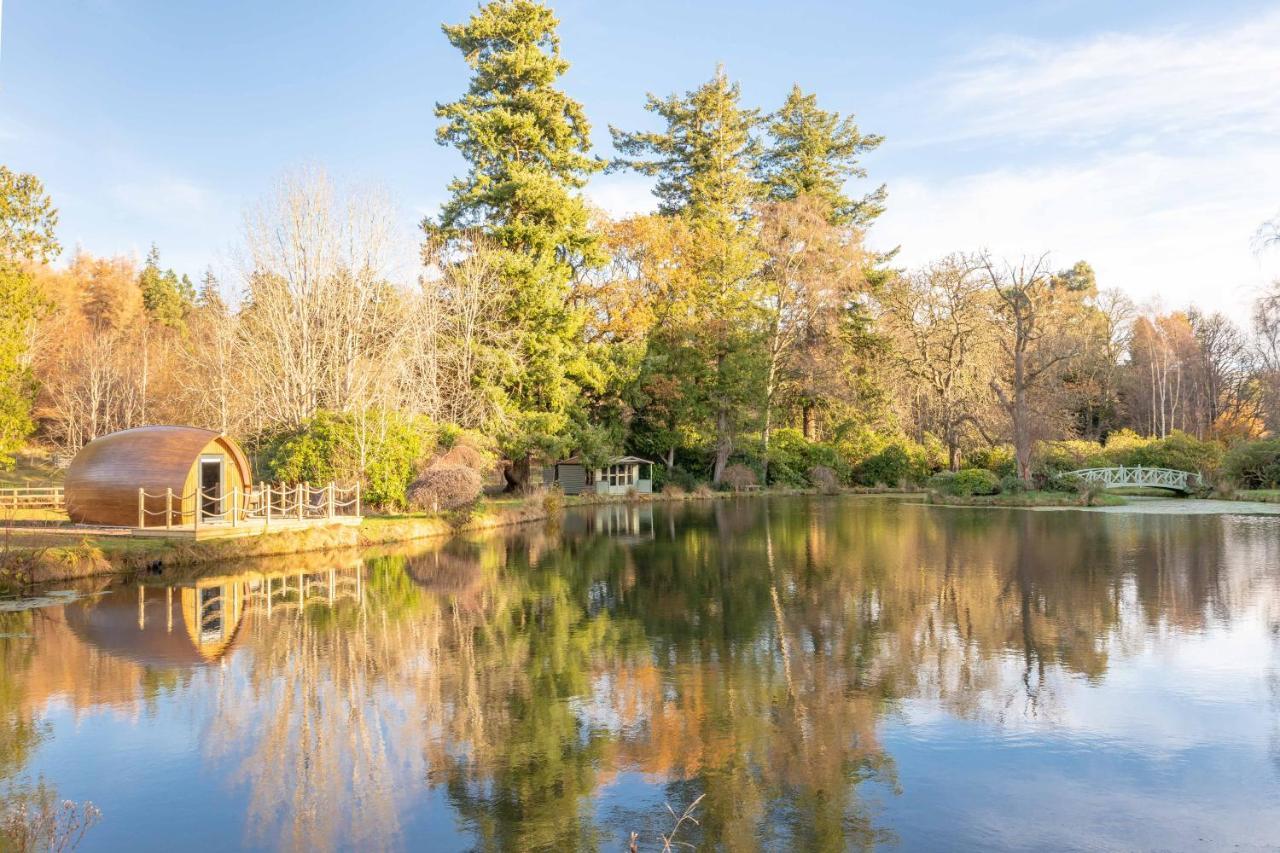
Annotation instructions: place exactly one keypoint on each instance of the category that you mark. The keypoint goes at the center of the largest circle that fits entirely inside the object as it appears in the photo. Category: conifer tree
(527, 145)
(705, 160)
(166, 297)
(815, 152)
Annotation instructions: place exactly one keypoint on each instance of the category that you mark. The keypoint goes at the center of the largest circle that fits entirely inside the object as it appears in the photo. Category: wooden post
(300, 504)
(168, 508)
(168, 606)
(142, 613)
(235, 505)
(195, 520)
(357, 499)
(331, 485)
(267, 498)
(142, 519)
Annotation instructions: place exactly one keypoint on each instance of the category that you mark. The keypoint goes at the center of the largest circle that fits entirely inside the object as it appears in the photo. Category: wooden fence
(39, 497)
(268, 503)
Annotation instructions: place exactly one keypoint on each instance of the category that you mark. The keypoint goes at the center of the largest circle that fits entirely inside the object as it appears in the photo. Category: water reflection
(552, 688)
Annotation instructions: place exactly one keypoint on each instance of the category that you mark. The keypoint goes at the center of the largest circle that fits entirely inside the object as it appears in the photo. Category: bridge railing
(1140, 475)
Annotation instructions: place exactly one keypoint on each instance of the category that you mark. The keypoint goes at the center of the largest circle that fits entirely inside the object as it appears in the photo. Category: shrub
(553, 501)
(327, 448)
(966, 482)
(673, 490)
(1012, 484)
(1052, 457)
(738, 477)
(702, 490)
(1253, 464)
(890, 467)
(445, 487)
(1089, 492)
(1059, 481)
(792, 457)
(998, 459)
(679, 477)
(1179, 451)
(824, 479)
(942, 481)
(975, 481)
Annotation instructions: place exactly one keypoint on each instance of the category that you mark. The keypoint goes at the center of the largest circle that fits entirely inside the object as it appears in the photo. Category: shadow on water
(554, 687)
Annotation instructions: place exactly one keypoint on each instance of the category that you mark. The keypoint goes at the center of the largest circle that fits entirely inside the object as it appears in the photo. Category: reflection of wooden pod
(212, 616)
(103, 480)
(152, 627)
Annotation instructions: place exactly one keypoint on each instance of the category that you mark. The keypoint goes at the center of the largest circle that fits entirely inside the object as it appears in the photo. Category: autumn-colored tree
(704, 159)
(1035, 322)
(812, 272)
(937, 320)
(27, 222)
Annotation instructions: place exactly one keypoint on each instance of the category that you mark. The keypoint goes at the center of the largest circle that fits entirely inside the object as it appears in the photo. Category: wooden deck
(25, 532)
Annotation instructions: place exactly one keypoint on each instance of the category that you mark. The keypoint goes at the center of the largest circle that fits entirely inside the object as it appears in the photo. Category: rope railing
(265, 502)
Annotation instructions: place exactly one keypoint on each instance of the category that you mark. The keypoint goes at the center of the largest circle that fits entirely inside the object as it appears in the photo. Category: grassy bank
(1266, 496)
(1025, 499)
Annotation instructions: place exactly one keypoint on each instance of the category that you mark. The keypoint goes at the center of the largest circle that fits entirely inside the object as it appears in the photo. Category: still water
(824, 673)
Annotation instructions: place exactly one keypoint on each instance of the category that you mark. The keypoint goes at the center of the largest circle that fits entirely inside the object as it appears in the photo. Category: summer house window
(620, 475)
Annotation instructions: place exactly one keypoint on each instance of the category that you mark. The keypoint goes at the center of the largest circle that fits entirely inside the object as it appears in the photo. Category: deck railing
(37, 497)
(268, 503)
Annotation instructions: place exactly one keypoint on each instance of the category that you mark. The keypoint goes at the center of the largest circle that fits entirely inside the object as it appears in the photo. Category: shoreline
(120, 555)
(66, 559)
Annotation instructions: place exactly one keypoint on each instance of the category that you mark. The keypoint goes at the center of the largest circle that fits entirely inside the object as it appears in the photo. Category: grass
(1145, 492)
(1266, 496)
(32, 468)
(1025, 499)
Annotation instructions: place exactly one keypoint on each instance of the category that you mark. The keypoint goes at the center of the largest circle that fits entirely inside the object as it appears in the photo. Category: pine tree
(705, 160)
(526, 143)
(210, 295)
(166, 297)
(815, 152)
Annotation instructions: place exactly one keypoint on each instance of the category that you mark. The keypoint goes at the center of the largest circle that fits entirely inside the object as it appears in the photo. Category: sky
(1142, 137)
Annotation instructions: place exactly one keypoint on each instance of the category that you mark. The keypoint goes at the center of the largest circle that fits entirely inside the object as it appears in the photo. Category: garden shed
(616, 477)
(104, 478)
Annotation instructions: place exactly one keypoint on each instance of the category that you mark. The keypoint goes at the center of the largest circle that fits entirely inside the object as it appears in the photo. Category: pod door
(211, 488)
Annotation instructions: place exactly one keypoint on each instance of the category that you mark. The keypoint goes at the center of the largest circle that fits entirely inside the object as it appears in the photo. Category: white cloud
(161, 196)
(1199, 86)
(1171, 167)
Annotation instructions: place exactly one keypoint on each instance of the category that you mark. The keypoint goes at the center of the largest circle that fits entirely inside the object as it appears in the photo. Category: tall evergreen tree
(526, 144)
(27, 220)
(166, 297)
(815, 152)
(705, 160)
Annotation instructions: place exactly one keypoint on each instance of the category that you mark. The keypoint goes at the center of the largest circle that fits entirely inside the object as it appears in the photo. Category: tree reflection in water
(743, 651)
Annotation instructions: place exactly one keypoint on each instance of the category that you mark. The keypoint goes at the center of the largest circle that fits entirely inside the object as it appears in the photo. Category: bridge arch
(1122, 476)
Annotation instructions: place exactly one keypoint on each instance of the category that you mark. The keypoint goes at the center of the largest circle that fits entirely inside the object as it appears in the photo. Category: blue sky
(1141, 136)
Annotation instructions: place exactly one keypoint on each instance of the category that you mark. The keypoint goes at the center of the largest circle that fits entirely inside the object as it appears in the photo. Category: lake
(823, 673)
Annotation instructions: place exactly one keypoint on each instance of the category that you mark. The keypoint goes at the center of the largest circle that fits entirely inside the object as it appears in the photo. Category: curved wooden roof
(102, 483)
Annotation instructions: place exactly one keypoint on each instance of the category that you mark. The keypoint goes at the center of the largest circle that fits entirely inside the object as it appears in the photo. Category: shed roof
(576, 459)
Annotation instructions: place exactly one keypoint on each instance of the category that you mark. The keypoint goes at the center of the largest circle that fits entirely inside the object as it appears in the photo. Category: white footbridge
(1139, 476)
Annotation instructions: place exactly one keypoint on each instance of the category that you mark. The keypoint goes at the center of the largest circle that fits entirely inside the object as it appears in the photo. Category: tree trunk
(724, 446)
(808, 425)
(516, 473)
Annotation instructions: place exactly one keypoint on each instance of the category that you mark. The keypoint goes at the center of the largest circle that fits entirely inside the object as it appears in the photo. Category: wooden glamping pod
(103, 481)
